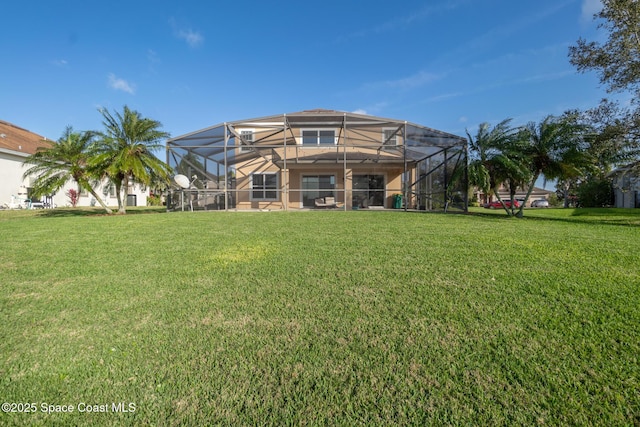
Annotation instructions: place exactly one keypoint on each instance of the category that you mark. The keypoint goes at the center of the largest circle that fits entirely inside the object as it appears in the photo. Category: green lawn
(316, 318)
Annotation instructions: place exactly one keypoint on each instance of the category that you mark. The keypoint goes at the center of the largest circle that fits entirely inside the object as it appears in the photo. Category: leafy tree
(614, 139)
(64, 160)
(125, 151)
(617, 61)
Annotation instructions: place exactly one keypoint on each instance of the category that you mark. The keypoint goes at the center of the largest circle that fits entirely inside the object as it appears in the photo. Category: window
(264, 186)
(109, 190)
(319, 137)
(246, 140)
(389, 137)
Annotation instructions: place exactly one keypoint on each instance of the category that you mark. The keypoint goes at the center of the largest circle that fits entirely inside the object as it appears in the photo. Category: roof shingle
(17, 139)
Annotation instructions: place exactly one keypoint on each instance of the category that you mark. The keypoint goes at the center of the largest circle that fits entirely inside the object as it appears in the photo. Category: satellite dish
(182, 181)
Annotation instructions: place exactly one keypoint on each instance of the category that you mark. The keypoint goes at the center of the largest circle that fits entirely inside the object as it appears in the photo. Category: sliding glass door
(368, 190)
(315, 186)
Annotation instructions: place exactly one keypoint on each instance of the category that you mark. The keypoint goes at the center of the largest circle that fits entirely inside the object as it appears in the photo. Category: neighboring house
(536, 194)
(318, 159)
(16, 144)
(626, 186)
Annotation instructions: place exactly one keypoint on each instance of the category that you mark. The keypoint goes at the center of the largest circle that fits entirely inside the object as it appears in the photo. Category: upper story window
(315, 137)
(390, 137)
(246, 139)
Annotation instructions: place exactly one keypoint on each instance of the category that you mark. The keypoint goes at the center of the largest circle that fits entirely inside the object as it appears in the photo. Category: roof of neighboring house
(14, 138)
(536, 190)
(632, 168)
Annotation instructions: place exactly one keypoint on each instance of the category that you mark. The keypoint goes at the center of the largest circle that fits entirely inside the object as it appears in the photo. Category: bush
(553, 199)
(154, 200)
(595, 193)
(73, 197)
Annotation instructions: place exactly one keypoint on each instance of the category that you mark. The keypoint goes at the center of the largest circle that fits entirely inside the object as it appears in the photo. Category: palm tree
(482, 150)
(125, 152)
(64, 160)
(553, 148)
(494, 159)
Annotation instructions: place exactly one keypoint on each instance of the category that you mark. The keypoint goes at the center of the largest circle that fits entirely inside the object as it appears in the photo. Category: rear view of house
(320, 159)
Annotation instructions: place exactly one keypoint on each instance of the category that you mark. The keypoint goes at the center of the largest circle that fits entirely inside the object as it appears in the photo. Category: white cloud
(60, 62)
(193, 38)
(414, 17)
(152, 57)
(360, 111)
(442, 97)
(419, 79)
(590, 8)
(121, 84)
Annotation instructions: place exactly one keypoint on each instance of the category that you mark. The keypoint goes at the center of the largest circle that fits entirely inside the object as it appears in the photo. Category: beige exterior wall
(290, 185)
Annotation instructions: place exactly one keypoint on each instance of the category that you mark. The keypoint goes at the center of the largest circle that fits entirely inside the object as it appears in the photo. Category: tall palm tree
(553, 149)
(125, 151)
(482, 150)
(64, 160)
(494, 159)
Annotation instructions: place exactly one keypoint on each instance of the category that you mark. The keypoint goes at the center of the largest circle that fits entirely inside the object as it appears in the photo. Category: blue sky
(447, 64)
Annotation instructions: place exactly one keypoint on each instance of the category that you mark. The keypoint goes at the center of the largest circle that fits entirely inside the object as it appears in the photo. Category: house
(16, 144)
(319, 158)
(626, 186)
(536, 194)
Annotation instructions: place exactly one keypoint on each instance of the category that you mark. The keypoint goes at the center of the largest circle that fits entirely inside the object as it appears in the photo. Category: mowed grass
(322, 318)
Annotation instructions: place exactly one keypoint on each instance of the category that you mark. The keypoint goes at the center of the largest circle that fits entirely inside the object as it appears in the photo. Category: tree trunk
(99, 199)
(94, 194)
(118, 184)
(512, 198)
(122, 206)
(526, 198)
(565, 193)
(502, 203)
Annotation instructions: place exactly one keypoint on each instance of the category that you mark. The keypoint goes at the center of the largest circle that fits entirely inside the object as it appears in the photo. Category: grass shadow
(601, 216)
(84, 212)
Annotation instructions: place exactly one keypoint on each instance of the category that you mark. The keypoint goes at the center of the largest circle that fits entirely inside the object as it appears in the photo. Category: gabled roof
(19, 140)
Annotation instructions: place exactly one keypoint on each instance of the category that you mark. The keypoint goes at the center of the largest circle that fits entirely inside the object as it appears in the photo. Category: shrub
(154, 200)
(553, 200)
(595, 193)
(73, 197)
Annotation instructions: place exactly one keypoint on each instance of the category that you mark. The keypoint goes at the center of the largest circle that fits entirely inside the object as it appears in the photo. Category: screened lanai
(319, 159)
